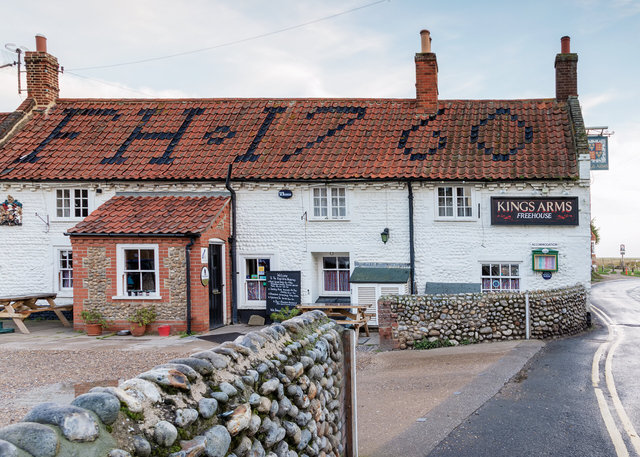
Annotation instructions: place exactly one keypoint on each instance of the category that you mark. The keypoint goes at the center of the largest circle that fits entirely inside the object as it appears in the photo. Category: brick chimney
(566, 71)
(42, 74)
(426, 76)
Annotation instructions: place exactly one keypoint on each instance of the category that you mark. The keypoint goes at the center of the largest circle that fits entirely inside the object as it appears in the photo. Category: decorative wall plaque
(11, 212)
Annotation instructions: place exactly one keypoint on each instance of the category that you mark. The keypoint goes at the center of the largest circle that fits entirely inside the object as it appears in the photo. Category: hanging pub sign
(599, 150)
(534, 210)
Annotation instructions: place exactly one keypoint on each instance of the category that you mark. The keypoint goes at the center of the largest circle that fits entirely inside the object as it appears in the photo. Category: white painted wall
(446, 251)
(283, 229)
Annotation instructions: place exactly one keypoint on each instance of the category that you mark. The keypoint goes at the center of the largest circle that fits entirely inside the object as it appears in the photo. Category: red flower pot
(93, 329)
(164, 330)
(138, 330)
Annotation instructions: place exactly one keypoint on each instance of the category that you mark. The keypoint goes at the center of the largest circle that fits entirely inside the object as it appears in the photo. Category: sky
(354, 48)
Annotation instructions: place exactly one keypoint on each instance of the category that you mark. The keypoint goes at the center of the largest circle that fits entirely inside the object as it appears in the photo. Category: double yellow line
(608, 349)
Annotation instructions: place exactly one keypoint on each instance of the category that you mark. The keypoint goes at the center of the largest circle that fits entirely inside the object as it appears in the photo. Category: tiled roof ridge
(299, 99)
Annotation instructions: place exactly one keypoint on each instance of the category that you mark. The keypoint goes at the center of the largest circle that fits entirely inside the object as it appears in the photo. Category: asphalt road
(564, 403)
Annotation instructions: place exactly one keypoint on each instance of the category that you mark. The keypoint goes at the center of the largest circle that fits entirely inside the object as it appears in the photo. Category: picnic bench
(343, 314)
(19, 308)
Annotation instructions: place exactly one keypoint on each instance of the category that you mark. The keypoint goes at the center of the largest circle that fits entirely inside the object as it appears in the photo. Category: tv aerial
(19, 50)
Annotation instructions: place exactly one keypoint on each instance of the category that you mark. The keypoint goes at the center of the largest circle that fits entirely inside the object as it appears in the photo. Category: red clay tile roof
(3, 116)
(152, 215)
(299, 139)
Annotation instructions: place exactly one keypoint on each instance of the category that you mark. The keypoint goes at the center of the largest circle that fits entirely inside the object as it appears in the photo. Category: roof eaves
(577, 125)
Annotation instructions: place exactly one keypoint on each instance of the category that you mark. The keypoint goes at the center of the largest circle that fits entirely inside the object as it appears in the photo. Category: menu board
(283, 289)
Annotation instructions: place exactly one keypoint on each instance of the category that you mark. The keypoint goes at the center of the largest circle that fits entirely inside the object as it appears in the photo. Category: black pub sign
(534, 210)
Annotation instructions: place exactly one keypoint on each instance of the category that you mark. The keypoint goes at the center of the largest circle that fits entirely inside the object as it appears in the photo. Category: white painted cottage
(360, 197)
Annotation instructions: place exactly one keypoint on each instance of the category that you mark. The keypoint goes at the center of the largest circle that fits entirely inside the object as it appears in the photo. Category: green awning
(380, 275)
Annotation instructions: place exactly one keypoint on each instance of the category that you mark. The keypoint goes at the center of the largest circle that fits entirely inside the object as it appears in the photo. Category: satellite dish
(15, 48)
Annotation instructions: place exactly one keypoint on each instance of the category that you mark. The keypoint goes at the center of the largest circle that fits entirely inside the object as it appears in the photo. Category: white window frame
(321, 269)
(72, 198)
(329, 200)
(120, 275)
(60, 290)
(455, 203)
(492, 277)
(246, 303)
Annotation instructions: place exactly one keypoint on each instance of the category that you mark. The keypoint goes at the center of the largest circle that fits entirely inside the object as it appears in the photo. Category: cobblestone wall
(276, 392)
(405, 319)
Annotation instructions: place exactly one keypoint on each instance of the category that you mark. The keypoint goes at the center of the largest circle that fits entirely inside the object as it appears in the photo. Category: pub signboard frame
(534, 211)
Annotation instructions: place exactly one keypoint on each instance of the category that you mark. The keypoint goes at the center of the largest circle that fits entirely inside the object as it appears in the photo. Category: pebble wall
(278, 392)
(461, 318)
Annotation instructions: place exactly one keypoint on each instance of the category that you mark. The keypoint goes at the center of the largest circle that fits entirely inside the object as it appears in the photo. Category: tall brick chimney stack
(42, 74)
(566, 71)
(426, 76)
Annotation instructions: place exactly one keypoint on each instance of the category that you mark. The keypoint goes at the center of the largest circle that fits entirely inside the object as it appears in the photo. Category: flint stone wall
(278, 392)
(405, 319)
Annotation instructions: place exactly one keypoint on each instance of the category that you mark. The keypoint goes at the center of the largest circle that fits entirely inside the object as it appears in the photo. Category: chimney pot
(426, 76)
(425, 38)
(41, 43)
(565, 45)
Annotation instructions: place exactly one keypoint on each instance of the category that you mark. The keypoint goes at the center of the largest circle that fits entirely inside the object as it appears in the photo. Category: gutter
(412, 253)
(232, 242)
(188, 264)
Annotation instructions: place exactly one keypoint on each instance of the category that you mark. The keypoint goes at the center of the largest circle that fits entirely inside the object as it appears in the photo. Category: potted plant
(94, 322)
(140, 319)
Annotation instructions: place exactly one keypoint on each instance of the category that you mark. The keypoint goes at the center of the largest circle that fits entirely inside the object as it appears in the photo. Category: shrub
(91, 316)
(144, 316)
(284, 314)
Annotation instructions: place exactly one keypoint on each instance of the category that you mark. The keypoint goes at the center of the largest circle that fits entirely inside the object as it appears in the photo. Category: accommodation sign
(534, 210)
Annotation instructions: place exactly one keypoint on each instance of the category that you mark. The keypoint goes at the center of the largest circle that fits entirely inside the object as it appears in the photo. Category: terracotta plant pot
(93, 329)
(138, 330)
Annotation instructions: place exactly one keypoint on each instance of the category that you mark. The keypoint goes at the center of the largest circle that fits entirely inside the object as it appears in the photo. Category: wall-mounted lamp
(385, 235)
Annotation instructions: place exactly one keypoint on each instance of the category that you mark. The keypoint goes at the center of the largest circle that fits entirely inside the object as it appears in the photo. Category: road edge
(423, 436)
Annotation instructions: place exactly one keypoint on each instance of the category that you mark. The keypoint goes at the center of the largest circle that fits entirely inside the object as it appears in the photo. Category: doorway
(216, 286)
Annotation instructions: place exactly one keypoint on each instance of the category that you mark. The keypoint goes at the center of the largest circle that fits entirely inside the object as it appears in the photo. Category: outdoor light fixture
(385, 235)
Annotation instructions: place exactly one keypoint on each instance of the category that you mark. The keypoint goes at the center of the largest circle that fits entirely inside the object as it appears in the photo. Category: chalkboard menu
(283, 289)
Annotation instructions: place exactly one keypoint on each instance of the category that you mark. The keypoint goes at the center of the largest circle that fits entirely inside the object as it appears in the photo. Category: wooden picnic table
(343, 314)
(19, 308)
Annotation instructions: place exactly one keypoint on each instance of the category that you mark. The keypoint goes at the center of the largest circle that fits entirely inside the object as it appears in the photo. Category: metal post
(527, 317)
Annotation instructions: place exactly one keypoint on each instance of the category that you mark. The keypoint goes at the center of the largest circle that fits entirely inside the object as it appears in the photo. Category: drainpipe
(412, 253)
(188, 261)
(232, 242)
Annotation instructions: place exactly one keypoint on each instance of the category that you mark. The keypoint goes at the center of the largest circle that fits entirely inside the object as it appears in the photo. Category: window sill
(329, 220)
(453, 219)
(65, 294)
(67, 219)
(131, 297)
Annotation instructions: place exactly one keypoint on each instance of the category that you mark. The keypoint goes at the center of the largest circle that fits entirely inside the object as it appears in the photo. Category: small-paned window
(500, 276)
(65, 270)
(72, 203)
(335, 274)
(256, 278)
(454, 202)
(329, 202)
(138, 271)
